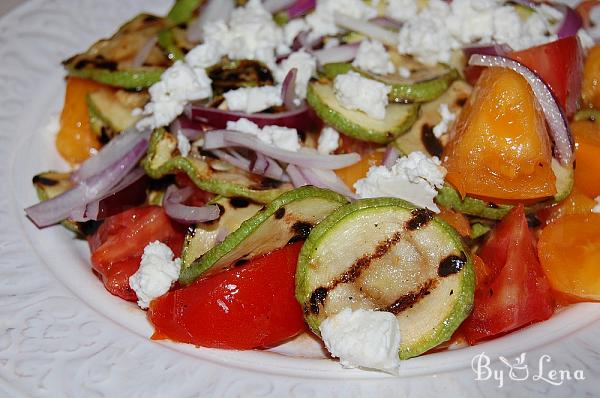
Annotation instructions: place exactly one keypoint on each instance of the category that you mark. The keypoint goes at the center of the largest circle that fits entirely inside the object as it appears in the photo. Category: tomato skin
(560, 65)
(516, 293)
(252, 306)
(118, 245)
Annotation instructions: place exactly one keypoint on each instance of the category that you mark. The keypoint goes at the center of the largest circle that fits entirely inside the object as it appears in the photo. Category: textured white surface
(62, 335)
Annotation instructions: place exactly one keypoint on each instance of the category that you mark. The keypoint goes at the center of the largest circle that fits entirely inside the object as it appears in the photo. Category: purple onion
(176, 210)
(288, 89)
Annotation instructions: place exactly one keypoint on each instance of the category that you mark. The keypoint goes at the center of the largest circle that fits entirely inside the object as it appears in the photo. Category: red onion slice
(559, 127)
(172, 203)
(343, 53)
(274, 6)
(62, 206)
(387, 23)
(142, 55)
(491, 49)
(367, 28)
(300, 118)
(390, 156)
(224, 138)
(571, 23)
(288, 89)
(213, 10)
(190, 130)
(326, 179)
(300, 7)
(110, 153)
(262, 165)
(298, 179)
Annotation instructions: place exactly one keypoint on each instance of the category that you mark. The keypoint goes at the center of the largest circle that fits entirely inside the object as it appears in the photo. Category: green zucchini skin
(332, 228)
(183, 10)
(130, 79)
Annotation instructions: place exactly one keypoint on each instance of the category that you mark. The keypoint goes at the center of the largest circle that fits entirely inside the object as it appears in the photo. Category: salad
(395, 177)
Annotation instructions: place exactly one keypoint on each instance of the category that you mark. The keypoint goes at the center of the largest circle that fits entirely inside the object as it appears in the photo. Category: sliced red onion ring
(190, 130)
(571, 23)
(326, 179)
(390, 156)
(172, 203)
(301, 7)
(288, 89)
(110, 153)
(213, 10)
(387, 23)
(302, 42)
(298, 179)
(274, 6)
(367, 28)
(559, 127)
(491, 49)
(229, 157)
(224, 138)
(343, 53)
(142, 55)
(264, 166)
(89, 190)
(101, 209)
(300, 118)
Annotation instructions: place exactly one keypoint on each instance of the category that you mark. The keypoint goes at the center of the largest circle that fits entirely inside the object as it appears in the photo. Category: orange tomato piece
(569, 251)
(75, 140)
(575, 203)
(500, 147)
(456, 220)
(587, 157)
(359, 170)
(590, 90)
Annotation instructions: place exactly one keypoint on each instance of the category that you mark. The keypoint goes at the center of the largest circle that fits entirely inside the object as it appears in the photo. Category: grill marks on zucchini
(386, 255)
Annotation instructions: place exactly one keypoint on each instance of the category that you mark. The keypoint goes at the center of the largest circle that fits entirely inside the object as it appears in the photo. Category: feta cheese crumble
(156, 274)
(401, 10)
(439, 28)
(329, 141)
(183, 144)
(413, 178)
(363, 338)
(404, 72)
(596, 208)
(306, 66)
(447, 118)
(253, 99)
(373, 57)
(322, 21)
(281, 137)
(178, 85)
(355, 92)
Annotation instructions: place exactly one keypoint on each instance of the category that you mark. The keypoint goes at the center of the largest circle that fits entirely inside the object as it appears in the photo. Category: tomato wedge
(514, 291)
(118, 245)
(252, 306)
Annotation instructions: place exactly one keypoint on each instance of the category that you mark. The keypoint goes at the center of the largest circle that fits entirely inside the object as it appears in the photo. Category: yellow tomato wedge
(587, 157)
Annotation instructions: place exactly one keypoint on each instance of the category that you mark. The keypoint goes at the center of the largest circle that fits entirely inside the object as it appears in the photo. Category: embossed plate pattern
(62, 335)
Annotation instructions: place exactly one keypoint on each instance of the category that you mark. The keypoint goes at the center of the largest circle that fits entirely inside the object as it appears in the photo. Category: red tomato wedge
(560, 65)
(118, 245)
(516, 293)
(247, 307)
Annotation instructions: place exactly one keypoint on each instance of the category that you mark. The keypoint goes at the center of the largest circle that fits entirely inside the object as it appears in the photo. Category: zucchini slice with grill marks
(398, 117)
(288, 218)
(384, 254)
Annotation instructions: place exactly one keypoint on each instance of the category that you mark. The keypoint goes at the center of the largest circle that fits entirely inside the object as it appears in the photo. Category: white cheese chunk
(401, 10)
(183, 144)
(156, 274)
(373, 57)
(447, 118)
(280, 137)
(329, 141)
(322, 22)
(204, 55)
(404, 72)
(363, 338)
(413, 178)
(596, 208)
(306, 66)
(355, 92)
(253, 99)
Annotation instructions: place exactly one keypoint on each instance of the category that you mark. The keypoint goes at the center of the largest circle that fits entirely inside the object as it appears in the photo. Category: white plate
(62, 334)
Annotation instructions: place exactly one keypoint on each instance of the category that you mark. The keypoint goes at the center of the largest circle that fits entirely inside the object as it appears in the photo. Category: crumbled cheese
(585, 39)
(373, 57)
(440, 27)
(178, 85)
(447, 118)
(413, 178)
(596, 208)
(183, 144)
(156, 274)
(253, 99)
(329, 141)
(404, 72)
(281, 137)
(355, 92)
(204, 55)
(363, 338)
(306, 66)
(401, 10)
(292, 29)
(331, 42)
(322, 22)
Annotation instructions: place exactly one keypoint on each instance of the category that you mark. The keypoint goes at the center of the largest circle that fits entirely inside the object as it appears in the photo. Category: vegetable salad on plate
(394, 177)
